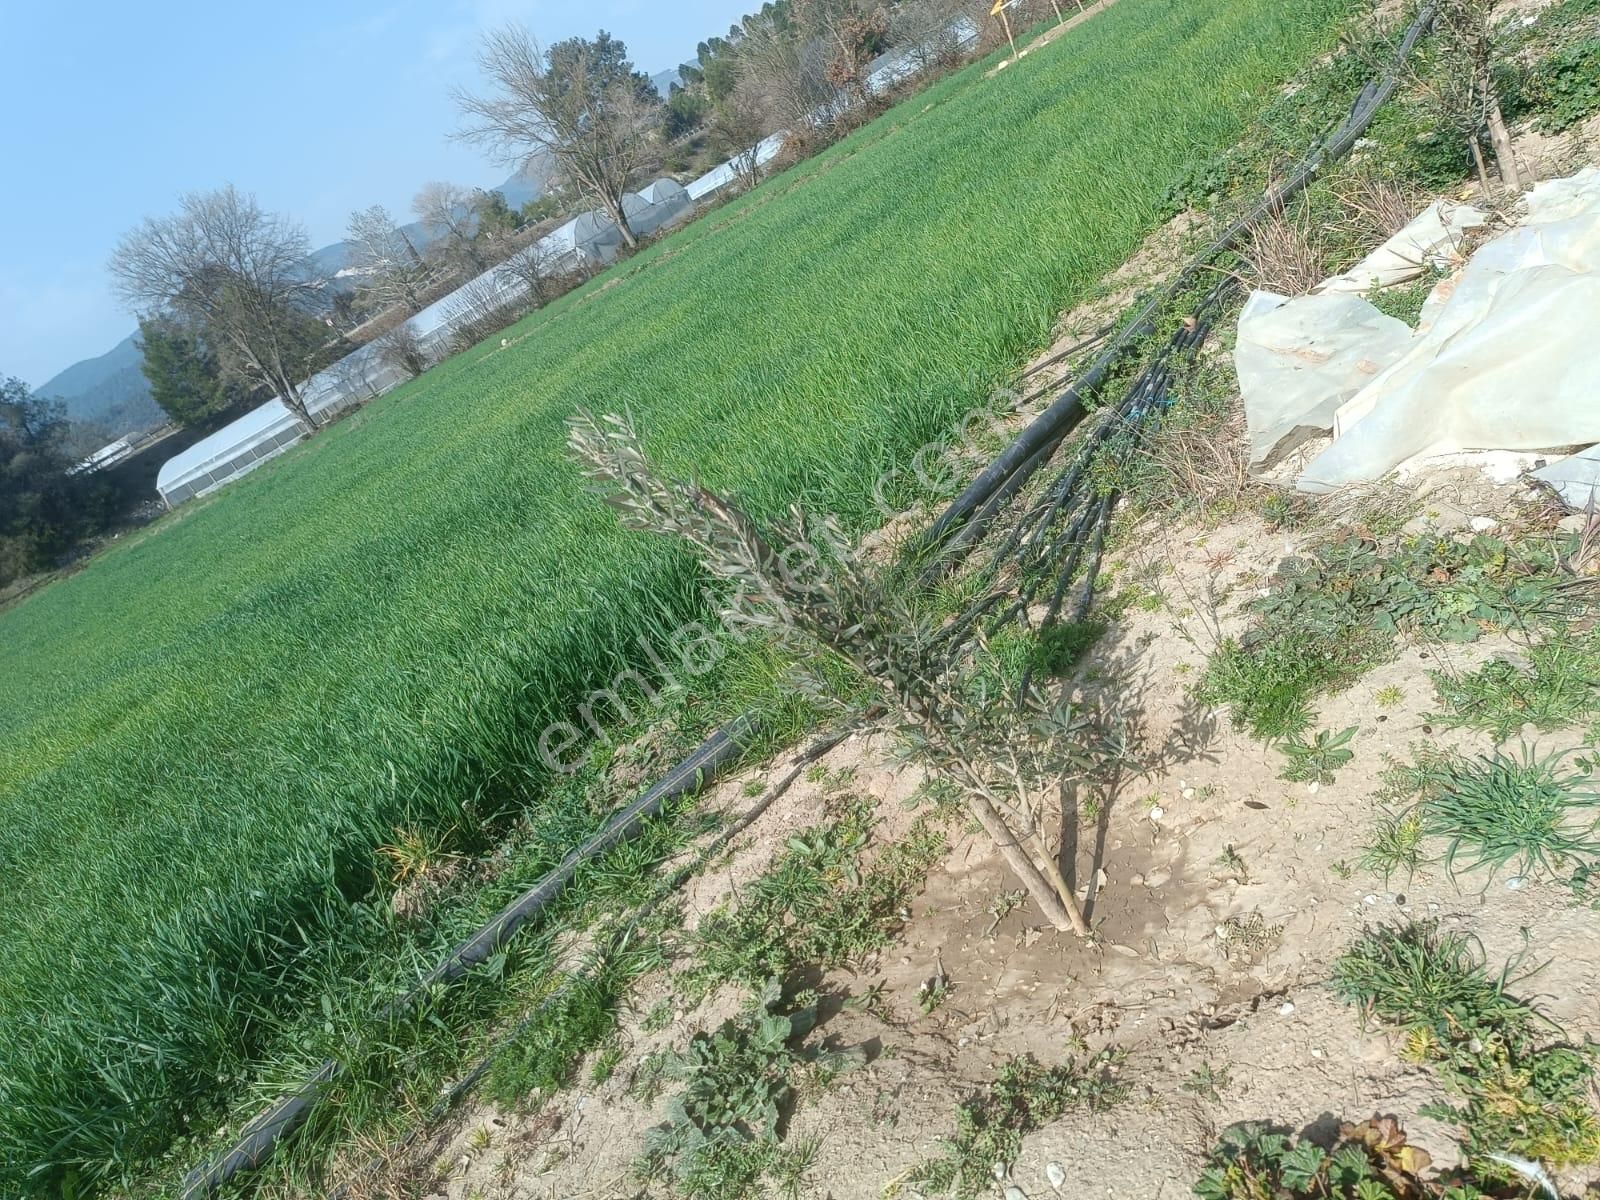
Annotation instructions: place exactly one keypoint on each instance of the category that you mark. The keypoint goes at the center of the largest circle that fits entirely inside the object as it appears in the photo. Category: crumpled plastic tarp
(1507, 356)
(1576, 479)
(1432, 241)
(1299, 360)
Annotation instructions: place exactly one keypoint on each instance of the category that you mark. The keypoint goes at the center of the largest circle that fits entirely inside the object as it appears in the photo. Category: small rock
(1136, 879)
(1157, 813)
(999, 1170)
(1157, 879)
(1576, 523)
(1484, 524)
(1515, 883)
(1015, 1193)
(1188, 793)
(1369, 899)
(1316, 1052)
(1286, 1008)
(1056, 1176)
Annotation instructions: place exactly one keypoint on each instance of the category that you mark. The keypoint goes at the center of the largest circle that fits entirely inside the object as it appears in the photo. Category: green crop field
(209, 731)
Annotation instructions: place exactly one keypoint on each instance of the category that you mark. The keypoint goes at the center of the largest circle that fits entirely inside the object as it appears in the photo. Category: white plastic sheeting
(1509, 360)
(1432, 241)
(1576, 479)
(1299, 360)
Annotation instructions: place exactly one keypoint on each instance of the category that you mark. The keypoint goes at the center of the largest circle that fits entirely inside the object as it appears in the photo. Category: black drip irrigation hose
(613, 943)
(262, 1135)
(1035, 444)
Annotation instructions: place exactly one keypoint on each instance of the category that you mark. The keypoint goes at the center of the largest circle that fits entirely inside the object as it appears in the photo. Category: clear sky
(109, 110)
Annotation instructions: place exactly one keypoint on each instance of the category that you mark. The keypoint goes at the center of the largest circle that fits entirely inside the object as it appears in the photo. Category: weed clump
(723, 1128)
(1492, 811)
(1025, 1096)
(818, 904)
(1558, 687)
(1317, 760)
(1522, 1091)
(1338, 610)
(1369, 1161)
(1499, 809)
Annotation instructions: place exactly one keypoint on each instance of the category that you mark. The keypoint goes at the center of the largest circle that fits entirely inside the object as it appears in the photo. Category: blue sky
(110, 110)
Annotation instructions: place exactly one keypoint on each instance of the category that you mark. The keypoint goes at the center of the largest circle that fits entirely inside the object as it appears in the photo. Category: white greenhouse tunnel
(590, 239)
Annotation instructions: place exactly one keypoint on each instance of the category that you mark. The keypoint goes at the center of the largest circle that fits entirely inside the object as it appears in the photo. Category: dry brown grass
(1375, 208)
(1209, 464)
(1286, 251)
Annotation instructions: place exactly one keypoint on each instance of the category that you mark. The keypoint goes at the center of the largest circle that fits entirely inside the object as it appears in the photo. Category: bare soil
(1176, 859)
(1170, 860)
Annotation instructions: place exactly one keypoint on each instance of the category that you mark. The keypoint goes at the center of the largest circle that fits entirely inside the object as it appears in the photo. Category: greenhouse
(230, 452)
(718, 178)
(662, 205)
(588, 240)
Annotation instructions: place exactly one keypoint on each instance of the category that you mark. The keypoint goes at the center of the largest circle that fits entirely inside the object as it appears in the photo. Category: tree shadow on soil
(1119, 698)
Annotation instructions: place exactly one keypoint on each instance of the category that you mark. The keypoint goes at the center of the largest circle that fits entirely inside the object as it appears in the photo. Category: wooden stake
(1006, 21)
(1060, 20)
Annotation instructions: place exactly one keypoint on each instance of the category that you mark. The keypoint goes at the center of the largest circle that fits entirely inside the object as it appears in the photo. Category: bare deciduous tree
(533, 270)
(396, 272)
(579, 102)
(401, 349)
(242, 275)
(739, 129)
(449, 211)
(485, 305)
(929, 32)
(780, 75)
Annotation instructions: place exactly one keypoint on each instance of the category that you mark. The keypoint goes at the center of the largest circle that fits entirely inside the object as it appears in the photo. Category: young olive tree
(1458, 80)
(580, 103)
(806, 588)
(243, 276)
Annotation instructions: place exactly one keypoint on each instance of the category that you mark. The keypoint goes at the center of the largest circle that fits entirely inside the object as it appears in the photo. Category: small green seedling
(1317, 760)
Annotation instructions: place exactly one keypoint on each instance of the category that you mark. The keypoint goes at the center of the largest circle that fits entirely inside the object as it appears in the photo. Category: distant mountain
(664, 82)
(110, 391)
(531, 182)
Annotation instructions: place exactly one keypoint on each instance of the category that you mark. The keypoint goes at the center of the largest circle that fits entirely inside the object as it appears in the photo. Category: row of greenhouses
(590, 240)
